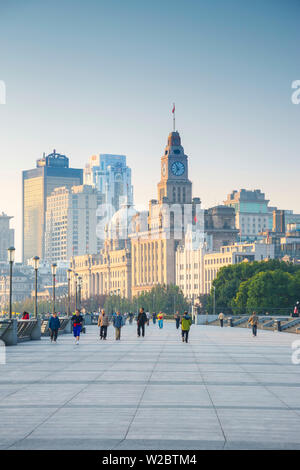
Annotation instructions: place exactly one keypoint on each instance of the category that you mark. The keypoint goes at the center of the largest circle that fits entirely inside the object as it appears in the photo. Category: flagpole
(173, 117)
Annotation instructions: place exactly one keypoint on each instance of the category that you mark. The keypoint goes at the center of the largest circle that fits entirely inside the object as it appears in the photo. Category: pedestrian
(54, 325)
(177, 320)
(130, 318)
(185, 327)
(77, 322)
(148, 318)
(141, 320)
(25, 316)
(296, 310)
(160, 318)
(221, 319)
(118, 323)
(154, 318)
(103, 323)
(253, 320)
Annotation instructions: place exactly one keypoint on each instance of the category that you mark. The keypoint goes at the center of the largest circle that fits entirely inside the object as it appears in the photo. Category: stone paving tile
(109, 394)
(88, 423)
(17, 424)
(242, 395)
(43, 394)
(177, 424)
(170, 395)
(258, 425)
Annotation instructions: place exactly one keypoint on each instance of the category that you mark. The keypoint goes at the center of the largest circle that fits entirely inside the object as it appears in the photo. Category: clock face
(178, 168)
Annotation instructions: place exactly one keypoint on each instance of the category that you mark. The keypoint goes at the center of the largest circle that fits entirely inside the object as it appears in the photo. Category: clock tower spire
(174, 184)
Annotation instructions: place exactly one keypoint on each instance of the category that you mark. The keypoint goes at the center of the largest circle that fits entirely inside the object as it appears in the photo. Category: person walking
(77, 322)
(253, 320)
(118, 323)
(54, 325)
(221, 319)
(186, 322)
(160, 318)
(177, 320)
(154, 318)
(296, 310)
(148, 318)
(103, 323)
(141, 321)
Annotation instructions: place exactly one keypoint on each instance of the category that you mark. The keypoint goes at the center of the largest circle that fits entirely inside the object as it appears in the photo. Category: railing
(64, 323)
(4, 326)
(278, 323)
(94, 319)
(25, 329)
(289, 324)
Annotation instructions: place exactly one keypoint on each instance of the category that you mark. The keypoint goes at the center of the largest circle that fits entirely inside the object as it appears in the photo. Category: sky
(100, 77)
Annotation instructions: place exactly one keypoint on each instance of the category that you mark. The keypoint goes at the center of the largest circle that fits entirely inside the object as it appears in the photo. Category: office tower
(110, 175)
(71, 223)
(7, 236)
(252, 212)
(51, 171)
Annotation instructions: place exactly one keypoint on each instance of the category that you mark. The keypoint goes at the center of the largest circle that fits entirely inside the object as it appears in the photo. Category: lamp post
(53, 269)
(76, 294)
(79, 291)
(69, 272)
(214, 299)
(36, 263)
(11, 259)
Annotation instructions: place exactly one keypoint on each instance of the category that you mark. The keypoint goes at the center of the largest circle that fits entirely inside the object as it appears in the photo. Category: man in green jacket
(186, 322)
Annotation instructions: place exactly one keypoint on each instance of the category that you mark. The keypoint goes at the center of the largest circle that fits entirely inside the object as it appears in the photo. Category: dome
(120, 225)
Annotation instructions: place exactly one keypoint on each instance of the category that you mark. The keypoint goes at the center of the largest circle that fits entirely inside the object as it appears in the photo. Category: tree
(230, 278)
(166, 298)
(268, 291)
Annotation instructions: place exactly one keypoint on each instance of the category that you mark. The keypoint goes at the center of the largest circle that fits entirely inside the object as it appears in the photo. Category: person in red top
(25, 316)
(77, 321)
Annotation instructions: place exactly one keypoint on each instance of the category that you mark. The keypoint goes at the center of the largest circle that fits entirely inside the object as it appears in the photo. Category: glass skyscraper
(52, 171)
(110, 175)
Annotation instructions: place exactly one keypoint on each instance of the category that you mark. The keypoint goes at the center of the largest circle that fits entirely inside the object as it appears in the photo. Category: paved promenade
(223, 390)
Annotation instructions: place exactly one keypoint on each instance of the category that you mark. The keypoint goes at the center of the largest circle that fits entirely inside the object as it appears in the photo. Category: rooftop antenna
(173, 111)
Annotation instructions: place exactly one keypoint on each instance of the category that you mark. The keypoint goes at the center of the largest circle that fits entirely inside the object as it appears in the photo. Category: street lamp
(53, 269)
(36, 263)
(79, 291)
(69, 272)
(11, 259)
(214, 288)
(76, 294)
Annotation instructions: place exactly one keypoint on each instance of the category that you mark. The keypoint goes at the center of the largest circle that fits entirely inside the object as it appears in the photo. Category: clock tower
(174, 184)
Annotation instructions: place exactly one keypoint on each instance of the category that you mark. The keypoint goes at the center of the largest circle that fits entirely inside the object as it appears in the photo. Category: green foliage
(165, 298)
(161, 298)
(265, 286)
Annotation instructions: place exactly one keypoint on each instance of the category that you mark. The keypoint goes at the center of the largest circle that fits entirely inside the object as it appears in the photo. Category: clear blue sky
(95, 76)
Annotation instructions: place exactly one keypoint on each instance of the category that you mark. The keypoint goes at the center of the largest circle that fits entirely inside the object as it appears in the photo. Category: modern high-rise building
(71, 223)
(7, 236)
(111, 176)
(52, 171)
(252, 214)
